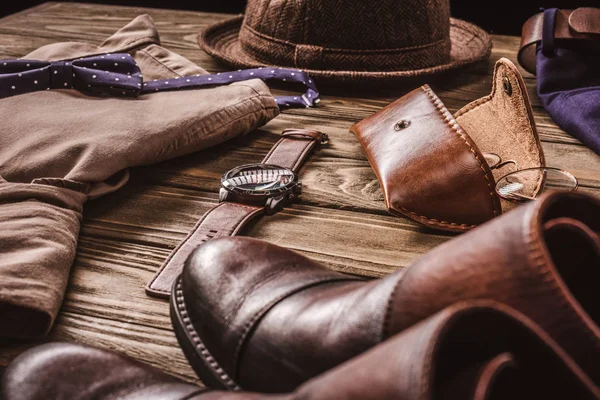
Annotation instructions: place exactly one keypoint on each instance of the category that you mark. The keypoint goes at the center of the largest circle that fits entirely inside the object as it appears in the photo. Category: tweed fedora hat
(348, 40)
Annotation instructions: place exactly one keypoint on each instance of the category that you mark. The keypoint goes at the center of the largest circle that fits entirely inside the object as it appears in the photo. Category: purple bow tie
(118, 75)
(111, 74)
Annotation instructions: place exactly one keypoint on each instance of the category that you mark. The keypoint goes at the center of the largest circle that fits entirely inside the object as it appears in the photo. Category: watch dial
(259, 179)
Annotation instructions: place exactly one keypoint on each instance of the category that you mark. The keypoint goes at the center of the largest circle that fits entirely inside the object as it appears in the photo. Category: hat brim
(469, 45)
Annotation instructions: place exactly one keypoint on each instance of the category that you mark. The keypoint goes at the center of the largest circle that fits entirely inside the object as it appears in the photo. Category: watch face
(259, 179)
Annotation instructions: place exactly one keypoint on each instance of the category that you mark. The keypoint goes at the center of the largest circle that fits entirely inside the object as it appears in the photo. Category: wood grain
(340, 219)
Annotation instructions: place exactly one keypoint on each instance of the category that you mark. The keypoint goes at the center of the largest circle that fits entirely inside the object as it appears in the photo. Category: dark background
(496, 16)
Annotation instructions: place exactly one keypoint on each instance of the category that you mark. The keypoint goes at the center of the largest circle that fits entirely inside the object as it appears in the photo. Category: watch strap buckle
(310, 134)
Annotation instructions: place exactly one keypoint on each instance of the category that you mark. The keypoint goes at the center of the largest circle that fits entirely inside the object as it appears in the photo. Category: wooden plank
(336, 176)
(340, 219)
(349, 241)
(157, 347)
(345, 239)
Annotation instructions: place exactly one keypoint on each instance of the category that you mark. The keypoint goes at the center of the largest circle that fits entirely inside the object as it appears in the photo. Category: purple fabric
(113, 74)
(309, 99)
(118, 75)
(568, 82)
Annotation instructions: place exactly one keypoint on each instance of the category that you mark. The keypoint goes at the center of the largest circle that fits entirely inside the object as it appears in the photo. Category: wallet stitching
(454, 129)
(479, 102)
(405, 211)
(474, 105)
(434, 221)
(524, 99)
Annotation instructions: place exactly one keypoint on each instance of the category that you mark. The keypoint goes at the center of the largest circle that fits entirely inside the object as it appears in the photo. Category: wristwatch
(246, 192)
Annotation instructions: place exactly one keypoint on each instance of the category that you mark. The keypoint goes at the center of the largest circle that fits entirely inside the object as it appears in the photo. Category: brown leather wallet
(431, 165)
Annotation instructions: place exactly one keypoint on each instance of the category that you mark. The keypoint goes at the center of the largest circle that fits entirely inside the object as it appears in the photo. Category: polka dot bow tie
(112, 74)
(119, 75)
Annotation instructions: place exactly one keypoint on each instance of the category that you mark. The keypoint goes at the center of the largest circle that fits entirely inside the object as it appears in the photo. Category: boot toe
(36, 373)
(72, 371)
(227, 285)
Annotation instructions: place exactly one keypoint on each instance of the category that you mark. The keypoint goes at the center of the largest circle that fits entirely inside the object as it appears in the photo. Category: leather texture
(431, 166)
(567, 71)
(253, 310)
(470, 351)
(502, 124)
(580, 24)
(67, 371)
(228, 218)
(431, 170)
(585, 20)
(293, 148)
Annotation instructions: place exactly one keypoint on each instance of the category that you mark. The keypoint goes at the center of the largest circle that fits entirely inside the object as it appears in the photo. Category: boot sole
(203, 363)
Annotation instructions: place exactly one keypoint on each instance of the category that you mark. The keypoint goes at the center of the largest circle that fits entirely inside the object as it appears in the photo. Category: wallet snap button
(402, 124)
(507, 85)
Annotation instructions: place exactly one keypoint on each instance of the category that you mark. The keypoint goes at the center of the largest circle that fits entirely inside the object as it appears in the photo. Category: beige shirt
(60, 147)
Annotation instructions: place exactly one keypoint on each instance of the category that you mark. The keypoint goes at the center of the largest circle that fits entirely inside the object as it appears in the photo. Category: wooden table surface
(340, 219)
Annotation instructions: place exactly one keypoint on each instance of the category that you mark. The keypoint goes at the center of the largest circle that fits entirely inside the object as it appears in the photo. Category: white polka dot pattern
(309, 99)
(119, 75)
(97, 74)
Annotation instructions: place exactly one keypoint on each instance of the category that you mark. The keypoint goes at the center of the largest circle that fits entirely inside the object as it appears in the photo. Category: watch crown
(223, 194)
(298, 188)
(274, 204)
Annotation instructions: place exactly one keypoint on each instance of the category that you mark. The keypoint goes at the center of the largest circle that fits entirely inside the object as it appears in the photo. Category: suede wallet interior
(435, 168)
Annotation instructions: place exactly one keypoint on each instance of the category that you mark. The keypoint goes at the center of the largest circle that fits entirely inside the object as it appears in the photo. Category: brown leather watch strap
(582, 23)
(294, 146)
(227, 219)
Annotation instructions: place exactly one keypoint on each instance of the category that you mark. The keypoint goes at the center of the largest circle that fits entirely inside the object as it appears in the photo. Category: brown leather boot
(470, 351)
(246, 311)
(71, 371)
(75, 372)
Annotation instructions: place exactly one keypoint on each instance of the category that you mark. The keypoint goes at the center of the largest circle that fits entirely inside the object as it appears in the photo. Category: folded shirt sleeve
(39, 225)
(59, 148)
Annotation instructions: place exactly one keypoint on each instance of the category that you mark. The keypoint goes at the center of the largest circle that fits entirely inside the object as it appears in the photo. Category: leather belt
(582, 23)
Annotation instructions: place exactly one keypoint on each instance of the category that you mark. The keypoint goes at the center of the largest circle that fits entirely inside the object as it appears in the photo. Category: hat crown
(363, 34)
